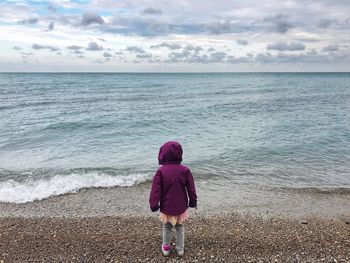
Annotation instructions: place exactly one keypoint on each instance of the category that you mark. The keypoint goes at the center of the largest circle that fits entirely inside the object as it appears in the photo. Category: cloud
(211, 49)
(326, 23)
(39, 47)
(242, 42)
(31, 21)
(93, 46)
(331, 48)
(307, 39)
(282, 58)
(158, 27)
(52, 8)
(194, 57)
(240, 60)
(171, 46)
(264, 58)
(74, 47)
(17, 48)
(281, 46)
(134, 49)
(78, 52)
(219, 27)
(90, 18)
(280, 23)
(151, 11)
(51, 26)
(107, 55)
(27, 53)
(217, 57)
(146, 55)
(196, 49)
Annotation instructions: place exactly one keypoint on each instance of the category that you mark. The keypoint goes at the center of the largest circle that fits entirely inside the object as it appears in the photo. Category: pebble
(238, 240)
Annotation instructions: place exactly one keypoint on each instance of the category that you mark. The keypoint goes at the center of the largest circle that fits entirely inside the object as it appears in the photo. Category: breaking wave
(31, 189)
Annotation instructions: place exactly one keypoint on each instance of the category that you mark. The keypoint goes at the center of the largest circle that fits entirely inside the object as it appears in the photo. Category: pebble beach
(227, 238)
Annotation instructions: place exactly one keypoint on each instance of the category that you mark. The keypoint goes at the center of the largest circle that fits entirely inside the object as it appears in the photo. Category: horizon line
(171, 72)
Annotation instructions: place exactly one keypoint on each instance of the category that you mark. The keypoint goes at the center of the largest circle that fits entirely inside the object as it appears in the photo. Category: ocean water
(61, 132)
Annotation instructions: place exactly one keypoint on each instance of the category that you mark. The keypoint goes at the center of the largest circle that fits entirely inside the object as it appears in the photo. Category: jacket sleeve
(191, 190)
(155, 194)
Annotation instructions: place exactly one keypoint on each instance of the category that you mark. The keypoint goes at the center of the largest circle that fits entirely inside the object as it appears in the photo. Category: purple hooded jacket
(173, 186)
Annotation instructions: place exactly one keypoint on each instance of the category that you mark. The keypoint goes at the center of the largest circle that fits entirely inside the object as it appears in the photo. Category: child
(173, 187)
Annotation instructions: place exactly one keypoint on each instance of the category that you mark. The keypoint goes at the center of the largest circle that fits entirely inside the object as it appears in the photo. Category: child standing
(173, 191)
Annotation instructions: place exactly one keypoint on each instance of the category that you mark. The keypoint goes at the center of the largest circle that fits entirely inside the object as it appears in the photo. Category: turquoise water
(61, 132)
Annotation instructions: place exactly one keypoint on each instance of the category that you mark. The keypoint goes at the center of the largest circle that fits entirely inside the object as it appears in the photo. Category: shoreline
(229, 238)
(215, 198)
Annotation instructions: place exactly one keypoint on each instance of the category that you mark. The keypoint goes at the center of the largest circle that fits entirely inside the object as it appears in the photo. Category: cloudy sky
(181, 35)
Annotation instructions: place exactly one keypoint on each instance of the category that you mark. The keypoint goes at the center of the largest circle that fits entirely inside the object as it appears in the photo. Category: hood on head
(170, 152)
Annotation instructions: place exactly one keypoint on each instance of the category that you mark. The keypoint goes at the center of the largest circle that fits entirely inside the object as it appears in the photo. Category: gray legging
(179, 235)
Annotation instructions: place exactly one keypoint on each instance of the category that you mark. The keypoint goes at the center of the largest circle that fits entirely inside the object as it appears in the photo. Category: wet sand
(229, 238)
(215, 197)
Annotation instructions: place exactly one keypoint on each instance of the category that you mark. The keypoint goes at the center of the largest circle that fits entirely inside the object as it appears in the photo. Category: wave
(316, 190)
(30, 190)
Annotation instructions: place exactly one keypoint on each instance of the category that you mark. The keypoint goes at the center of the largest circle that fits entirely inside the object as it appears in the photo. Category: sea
(64, 132)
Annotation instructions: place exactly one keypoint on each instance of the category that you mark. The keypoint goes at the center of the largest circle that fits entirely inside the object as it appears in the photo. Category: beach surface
(229, 238)
(116, 225)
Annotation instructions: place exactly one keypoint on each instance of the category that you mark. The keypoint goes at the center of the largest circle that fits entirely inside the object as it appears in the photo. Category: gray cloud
(219, 27)
(151, 11)
(242, 42)
(74, 47)
(217, 57)
(331, 48)
(281, 46)
(31, 21)
(27, 53)
(158, 27)
(78, 52)
(211, 49)
(51, 26)
(17, 48)
(171, 46)
(107, 55)
(93, 46)
(39, 47)
(52, 8)
(281, 58)
(90, 18)
(326, 23)
(279, 22)
(240, 60)
(134, 49)
(193, 57)
(146, 55)
(193, 48)
(264, 58)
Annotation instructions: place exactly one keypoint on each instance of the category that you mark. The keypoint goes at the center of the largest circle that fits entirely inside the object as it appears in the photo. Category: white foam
(31, 190)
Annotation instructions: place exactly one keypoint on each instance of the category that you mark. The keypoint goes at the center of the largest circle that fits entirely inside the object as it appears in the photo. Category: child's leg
(167, 233)
(179, 237)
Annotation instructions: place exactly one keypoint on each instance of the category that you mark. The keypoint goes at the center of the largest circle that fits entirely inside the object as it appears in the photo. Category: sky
(175, 36)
